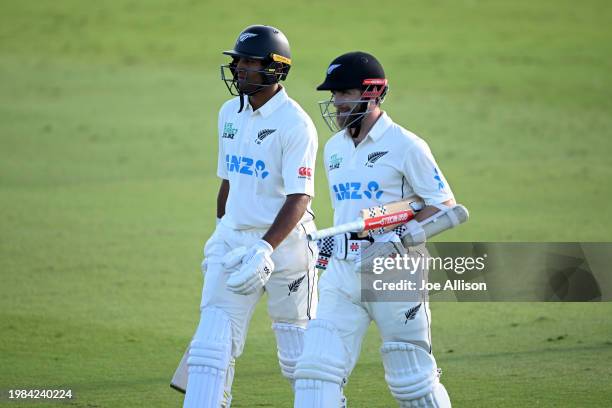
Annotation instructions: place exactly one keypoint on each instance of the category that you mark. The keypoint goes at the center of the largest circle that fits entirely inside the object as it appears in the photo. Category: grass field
(107, 188)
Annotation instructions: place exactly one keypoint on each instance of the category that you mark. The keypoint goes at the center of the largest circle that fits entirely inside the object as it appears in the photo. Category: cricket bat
(378, 219)
(179, 379)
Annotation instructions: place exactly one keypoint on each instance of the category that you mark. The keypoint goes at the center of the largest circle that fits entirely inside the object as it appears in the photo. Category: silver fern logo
(411, 313)
(263, 134)
(295, 285)
(332, 67)
(374, 157)
(246, 36)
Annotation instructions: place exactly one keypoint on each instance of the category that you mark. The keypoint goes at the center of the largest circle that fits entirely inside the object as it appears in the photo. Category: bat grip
(354, 226)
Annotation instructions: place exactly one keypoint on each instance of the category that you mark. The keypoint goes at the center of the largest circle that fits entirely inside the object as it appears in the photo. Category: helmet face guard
(373, 90)
(275, 71)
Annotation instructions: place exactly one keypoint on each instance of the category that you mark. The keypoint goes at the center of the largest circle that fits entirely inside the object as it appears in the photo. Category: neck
(366, 125)
(260, 98)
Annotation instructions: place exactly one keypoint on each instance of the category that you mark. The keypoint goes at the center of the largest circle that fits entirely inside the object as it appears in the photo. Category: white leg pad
(321, 369)
(229, 380)
(412, 375)
(317, 394)
(290, 343)
(209, 358)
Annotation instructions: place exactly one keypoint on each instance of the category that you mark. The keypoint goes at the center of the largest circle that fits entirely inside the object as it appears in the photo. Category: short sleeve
(299, 155)
(221, 166)
(326, 167)
(424, 175)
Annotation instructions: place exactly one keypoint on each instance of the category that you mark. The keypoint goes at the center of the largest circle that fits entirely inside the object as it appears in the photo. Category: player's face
(345, 102)
(246, 75)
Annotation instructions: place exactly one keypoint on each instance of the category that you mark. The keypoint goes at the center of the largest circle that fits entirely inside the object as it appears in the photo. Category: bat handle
(355, 226)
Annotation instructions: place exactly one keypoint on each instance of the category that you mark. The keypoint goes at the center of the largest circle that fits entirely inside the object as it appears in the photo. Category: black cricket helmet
(259, 42)
(353, 70)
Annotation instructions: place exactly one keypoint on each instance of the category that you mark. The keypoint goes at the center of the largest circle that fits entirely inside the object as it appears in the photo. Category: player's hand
(233, 258)
(255, 271)
(415, 230)
(384, 246)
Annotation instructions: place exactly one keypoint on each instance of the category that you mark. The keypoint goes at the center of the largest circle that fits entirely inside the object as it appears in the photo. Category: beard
(351, 117)
(343, 119)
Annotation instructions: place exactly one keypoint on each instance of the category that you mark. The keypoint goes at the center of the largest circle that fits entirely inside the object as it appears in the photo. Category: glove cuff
(265, 246)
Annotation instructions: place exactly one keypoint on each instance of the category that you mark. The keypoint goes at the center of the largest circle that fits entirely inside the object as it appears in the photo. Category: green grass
(107, 185)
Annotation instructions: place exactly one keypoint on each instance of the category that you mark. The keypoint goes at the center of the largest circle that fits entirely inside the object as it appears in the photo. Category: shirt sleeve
(326, 168)
(221, 165)
(298, 163)
(424, 175)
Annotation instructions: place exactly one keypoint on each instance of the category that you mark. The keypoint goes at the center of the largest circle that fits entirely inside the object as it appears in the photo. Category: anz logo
(356, 190)
(246, 165)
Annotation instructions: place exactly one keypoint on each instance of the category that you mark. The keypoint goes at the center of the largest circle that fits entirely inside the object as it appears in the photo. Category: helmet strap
(241, 96)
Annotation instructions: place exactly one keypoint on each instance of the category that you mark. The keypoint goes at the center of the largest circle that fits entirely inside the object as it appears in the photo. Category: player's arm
(222, 173)
(430, 210)
(298, 162)
(222, 197)
(428, 182)
(299, 148)
(287, 218)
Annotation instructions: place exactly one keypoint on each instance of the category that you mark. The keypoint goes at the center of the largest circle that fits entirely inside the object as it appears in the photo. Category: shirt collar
(273, 103)
(380, 127)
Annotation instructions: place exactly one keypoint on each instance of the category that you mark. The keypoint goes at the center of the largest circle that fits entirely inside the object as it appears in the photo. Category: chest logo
(373, 157)
(262, 134)
(229, 131)
(355, 190)
(334, 162)
(246, 165)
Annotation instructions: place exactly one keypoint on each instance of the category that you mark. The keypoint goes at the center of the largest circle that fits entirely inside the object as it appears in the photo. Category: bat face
(382, 218)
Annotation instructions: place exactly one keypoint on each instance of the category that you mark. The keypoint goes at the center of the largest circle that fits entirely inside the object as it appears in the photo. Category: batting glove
(341, 246)
(414, 230)
(255, 270)
(385, 246)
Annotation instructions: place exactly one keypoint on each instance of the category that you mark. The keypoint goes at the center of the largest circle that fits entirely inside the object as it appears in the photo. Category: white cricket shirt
(390, 164)
(266, 155)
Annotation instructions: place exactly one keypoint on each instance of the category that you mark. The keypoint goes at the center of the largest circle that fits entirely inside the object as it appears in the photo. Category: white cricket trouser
(292, 287)
(340, 303)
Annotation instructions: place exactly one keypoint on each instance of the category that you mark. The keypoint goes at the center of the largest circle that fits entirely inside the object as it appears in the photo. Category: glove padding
(255, 266)
(414, 231)
(343, 247)
(384, 246)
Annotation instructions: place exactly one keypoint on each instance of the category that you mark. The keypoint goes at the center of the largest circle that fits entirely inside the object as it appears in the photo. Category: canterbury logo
(246, 36)
(295, 285)
(263, 134)
(373, 157)
(411, 313)
(332, 67)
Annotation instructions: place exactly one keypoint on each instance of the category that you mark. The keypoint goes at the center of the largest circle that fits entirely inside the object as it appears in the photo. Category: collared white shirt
(389, 164)
(266, 155)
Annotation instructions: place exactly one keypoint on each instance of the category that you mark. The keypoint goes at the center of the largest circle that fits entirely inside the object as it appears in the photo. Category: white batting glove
(255, 271)
(385, 245)
(342, 247)
(233, 258)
